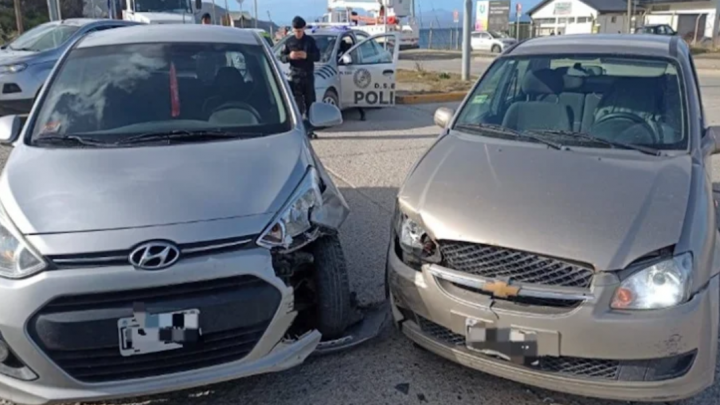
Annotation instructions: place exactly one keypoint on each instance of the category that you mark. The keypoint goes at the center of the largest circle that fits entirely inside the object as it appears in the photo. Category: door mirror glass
(10, 126)
(324, 115)
(443, 115)
(346, 59)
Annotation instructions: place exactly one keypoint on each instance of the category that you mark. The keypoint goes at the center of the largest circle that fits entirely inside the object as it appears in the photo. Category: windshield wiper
(185, 136)
(69, 140)
(507, 131)
(614, 144)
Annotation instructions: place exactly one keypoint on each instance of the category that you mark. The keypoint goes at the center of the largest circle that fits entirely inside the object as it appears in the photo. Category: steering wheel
(237, 105)
(634, 119)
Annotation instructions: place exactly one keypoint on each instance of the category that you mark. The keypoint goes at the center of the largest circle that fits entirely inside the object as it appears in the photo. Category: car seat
(542, 109)
(229, 86)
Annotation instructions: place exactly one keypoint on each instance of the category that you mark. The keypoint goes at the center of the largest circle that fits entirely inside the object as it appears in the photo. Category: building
(683, 16)
(558, 17)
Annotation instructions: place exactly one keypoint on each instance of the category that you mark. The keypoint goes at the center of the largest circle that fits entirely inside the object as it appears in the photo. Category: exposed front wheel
(331, 98)
(334, 308)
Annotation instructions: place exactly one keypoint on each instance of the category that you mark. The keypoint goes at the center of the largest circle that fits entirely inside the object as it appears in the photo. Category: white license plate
(510, 344)
(151, 333)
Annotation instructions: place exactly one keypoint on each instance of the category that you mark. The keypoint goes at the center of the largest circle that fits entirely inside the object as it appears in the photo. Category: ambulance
(355, 70)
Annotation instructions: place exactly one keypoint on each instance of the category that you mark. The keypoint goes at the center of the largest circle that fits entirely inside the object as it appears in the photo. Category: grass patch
(424, 81)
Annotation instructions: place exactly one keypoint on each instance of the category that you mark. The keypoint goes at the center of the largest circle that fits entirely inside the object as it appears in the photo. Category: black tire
(495, 49)
(331, 94)
(334, 308)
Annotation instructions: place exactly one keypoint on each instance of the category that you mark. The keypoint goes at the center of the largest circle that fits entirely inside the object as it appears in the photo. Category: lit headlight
(292, 227)
(662, 285)
(416, 246)
(14, 68)
(17, 260)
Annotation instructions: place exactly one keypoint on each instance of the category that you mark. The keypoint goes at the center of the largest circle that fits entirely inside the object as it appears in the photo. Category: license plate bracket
(512, 344)
(145, 333)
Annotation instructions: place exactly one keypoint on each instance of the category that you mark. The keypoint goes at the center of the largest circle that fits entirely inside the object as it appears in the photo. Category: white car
(492, 41)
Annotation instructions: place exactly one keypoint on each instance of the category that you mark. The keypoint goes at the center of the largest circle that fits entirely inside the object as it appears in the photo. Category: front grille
(527, 301)
(79, 333)
(121, 257)
(660, 369)
(497, 262)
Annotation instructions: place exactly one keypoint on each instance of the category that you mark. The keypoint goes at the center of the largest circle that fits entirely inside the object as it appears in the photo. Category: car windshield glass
(325, 43)
(44, 37)
(111, 93)
(626, 100)
(150, 6)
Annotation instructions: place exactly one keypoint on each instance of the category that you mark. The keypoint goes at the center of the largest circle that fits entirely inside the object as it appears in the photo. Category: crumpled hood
(71, 190)
(8, 56)
(597, 209)
(164, 18)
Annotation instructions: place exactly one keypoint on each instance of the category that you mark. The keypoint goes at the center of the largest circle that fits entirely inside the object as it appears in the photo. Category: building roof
(601, 6)
(611, 44)
(169, 33)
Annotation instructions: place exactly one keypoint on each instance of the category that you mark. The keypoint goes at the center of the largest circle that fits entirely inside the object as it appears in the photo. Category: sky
(282, 11)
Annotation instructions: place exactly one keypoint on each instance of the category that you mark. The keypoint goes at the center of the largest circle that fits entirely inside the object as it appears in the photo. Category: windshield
(325, 43)
(497, 35)
(157, 6)
(629, 100)
(43, 37)
(114, 92)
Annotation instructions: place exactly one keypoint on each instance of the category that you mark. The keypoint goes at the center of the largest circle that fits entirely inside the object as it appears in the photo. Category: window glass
(44, 37)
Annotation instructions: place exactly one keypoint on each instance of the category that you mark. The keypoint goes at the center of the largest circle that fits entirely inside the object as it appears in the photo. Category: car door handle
(388, 72)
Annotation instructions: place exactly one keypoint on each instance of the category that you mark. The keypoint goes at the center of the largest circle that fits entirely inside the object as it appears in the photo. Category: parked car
(165, 222)
(491, 41)
(561, 231)
(355, 69)
(656, 29)
(26, 62)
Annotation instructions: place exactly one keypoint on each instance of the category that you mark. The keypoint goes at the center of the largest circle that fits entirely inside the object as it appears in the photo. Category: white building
(580, 16)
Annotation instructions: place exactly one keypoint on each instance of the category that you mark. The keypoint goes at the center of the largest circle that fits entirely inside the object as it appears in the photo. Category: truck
(156, 11)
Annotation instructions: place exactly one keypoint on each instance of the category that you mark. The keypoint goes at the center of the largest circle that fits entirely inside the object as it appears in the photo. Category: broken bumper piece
(373, 321)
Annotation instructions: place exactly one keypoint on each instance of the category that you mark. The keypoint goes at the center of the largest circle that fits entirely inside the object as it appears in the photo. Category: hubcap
(329, 100)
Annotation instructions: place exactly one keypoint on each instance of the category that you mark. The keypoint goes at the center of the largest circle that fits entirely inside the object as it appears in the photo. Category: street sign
(456, 16)
(518, 8)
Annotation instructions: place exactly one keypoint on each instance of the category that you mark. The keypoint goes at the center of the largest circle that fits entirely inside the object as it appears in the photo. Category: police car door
(367, 72)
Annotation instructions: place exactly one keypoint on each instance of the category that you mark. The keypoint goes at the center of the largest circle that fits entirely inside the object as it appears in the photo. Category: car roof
(79, 22)
(170, 33)
(618, 44)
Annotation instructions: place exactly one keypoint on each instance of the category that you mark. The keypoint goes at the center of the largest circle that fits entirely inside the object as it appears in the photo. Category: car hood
(603, 210)
(164, 18)
(74, 190)
(8, 56)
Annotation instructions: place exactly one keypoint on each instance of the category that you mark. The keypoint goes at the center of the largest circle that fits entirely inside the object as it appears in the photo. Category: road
(369, 161)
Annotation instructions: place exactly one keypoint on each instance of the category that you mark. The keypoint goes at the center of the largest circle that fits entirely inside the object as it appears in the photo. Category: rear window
(120, 91)
(632, 100)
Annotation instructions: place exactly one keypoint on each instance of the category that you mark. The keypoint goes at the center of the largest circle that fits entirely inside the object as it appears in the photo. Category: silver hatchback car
(165, 223)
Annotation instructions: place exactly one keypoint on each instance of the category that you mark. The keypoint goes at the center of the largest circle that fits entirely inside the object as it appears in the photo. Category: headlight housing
(292, 228)
(17, 258)
(664, 284)
(13, 68)
(416, 247)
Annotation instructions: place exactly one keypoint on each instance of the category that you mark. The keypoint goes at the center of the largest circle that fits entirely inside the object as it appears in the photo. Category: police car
(355, 69)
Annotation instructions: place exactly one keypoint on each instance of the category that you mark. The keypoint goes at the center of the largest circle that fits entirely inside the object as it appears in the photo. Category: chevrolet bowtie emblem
(501, 289)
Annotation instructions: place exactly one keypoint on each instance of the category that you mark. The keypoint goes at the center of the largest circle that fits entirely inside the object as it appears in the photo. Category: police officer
(301, 52)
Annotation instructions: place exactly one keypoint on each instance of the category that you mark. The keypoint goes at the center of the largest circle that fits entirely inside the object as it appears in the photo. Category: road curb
(431, 98)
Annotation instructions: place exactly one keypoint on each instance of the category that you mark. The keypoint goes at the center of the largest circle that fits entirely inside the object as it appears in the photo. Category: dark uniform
(302, 71)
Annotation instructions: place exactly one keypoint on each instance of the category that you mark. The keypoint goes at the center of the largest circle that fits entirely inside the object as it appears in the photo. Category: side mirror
(443, 115)
(198, 5)
(10, 126)
(324, 115)
(346, 59)
(711, 141)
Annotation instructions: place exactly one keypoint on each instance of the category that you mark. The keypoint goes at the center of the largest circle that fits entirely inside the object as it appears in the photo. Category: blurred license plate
(151, 333)
(511, 344)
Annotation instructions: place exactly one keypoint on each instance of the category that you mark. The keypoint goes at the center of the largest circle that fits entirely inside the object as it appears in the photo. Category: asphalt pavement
(369, 160)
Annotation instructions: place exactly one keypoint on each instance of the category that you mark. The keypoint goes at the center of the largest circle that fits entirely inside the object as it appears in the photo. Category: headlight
(662, 285)
(14, 68)
(292, 227)
(17, 260)
(416, 246)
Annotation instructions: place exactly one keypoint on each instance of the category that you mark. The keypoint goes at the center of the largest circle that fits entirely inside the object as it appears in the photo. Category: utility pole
(272, 34)
(18, 17)
(629, 16)
(256, 15)
(467, 22)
